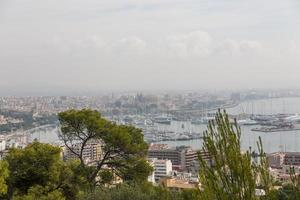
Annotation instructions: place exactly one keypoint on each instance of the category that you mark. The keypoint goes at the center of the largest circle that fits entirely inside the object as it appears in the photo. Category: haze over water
(272, 142)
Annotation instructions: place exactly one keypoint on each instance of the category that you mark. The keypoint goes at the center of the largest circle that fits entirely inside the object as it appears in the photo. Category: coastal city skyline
(173, 118)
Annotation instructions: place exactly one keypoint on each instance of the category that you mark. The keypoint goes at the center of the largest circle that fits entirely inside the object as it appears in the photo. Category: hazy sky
(48, 45)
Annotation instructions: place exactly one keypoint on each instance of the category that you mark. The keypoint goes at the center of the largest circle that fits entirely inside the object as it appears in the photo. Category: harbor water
(272, 141)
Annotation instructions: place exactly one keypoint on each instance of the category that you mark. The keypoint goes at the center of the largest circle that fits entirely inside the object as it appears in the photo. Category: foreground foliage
(141, 191)
(233, 175)
(38, 172)
(4, 173)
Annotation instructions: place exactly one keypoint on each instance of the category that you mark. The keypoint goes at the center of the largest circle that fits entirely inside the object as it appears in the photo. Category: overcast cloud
(48, 45)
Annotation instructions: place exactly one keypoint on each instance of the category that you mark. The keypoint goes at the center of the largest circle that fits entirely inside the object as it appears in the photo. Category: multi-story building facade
(162, 168)
(283, 158)
(292, 158)
(91, 152)
(182, 157)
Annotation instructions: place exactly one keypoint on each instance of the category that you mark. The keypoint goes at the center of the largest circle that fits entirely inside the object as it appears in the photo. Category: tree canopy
(123, 147)
(4, 173)
(38, 170)
(36, 164)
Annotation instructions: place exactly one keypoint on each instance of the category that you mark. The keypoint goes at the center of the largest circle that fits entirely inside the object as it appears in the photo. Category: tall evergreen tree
(233, 175)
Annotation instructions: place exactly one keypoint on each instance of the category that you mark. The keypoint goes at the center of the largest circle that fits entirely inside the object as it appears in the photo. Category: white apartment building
(2, 144)
(162, 168)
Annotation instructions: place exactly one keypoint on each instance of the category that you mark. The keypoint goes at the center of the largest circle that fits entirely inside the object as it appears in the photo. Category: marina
(190, 132)
(274, 129)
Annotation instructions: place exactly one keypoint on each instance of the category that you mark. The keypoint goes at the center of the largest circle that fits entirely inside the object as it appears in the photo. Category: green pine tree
(233, 174)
